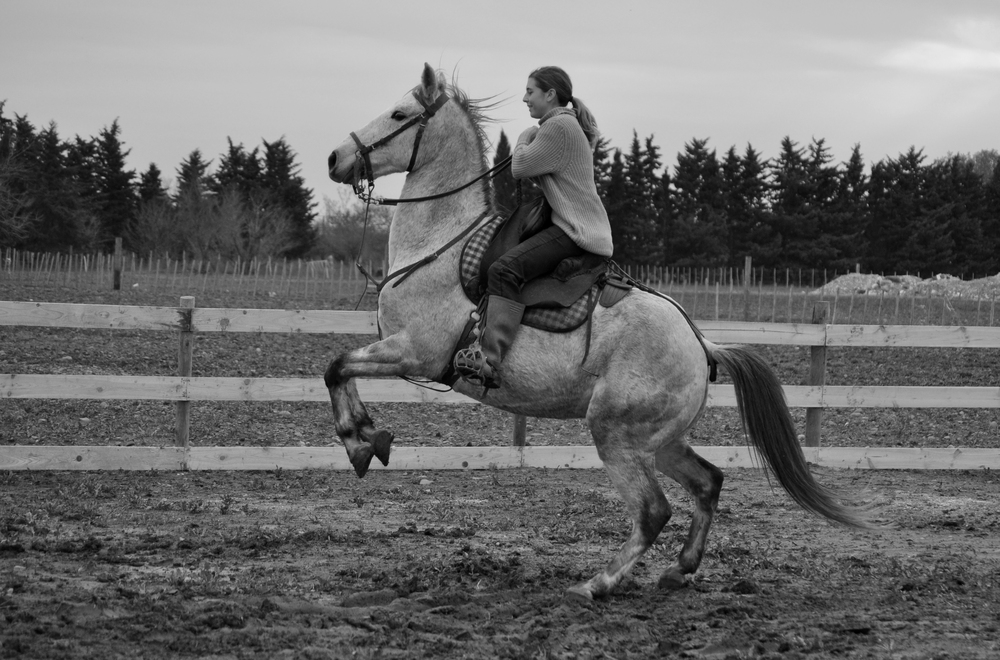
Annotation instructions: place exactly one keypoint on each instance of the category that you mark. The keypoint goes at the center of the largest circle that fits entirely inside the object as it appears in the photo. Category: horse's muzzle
(331, 165)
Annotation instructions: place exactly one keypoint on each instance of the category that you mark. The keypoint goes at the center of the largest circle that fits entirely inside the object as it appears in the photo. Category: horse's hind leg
(632, 473)
(704, 482)
(352, 422)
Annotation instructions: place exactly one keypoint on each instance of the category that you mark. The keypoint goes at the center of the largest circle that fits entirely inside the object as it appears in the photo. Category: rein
(406, 271)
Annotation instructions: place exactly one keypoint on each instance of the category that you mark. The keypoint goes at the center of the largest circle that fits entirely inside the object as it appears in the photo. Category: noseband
(363, 165)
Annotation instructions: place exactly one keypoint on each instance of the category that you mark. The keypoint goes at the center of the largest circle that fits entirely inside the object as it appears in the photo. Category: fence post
(817, 374)
(520, 430)
(184, 359)
(119, 260)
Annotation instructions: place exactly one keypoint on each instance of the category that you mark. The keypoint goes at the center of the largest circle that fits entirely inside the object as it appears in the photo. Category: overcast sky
(181, 75)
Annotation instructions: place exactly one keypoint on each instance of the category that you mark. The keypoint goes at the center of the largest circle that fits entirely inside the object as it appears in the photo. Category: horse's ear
(431, 83)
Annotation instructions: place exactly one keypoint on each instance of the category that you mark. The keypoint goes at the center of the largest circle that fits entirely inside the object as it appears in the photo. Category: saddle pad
(554, 319)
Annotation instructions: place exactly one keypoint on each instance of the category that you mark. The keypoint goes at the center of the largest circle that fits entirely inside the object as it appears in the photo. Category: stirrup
(471, 365)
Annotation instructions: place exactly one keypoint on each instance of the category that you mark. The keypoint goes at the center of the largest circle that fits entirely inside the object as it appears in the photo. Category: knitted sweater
(558, 155)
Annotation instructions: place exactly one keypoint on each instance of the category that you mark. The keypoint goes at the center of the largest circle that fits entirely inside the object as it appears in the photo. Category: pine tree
(805, 188)
(17, 220)
(117, 200)
(57, 201)
(192, 176)
(849, 214)
(656, 201)
(151, 188)
(193, 207)
(614, 194)
(906, 232)
(239, 170)
(790, 196)
(602, 167)
(991, 222)
(283, 183)
(504, 186)
(81, 168)
(698, 226)
(6, 135)
(959, 196)
(635, 212)
(823, 224)
(745, 194)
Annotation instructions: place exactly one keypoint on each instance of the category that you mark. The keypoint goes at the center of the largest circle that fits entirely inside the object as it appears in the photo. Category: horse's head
(390, 143)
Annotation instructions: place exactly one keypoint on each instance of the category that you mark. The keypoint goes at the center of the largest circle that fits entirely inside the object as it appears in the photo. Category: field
(472, 564)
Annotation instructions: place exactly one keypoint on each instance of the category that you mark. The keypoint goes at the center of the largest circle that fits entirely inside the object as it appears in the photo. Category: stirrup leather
(471, 364)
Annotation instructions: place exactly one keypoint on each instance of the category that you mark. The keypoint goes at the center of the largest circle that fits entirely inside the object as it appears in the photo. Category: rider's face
(538, 102)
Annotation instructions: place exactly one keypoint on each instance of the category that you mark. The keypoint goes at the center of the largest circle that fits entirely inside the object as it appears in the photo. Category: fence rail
(186, 320)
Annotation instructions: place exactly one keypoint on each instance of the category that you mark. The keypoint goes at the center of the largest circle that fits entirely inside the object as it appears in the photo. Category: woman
(559, 155)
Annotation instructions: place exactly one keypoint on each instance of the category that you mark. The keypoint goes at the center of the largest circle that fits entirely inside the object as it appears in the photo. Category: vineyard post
(747, 271)
(184, 360)
(817, 374)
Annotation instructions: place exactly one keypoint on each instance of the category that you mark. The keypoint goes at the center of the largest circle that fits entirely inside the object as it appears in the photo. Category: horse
(640, 379)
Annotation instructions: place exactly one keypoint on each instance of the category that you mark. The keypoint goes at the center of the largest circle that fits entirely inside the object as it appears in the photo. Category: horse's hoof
(580, 595)
(672, 581)
(361, 458)
(381, 442)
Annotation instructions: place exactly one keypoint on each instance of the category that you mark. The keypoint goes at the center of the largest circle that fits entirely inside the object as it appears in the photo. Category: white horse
(641, 384)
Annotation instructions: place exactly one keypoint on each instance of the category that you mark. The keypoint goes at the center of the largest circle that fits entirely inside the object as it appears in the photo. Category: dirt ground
(470, 564)
(474, 565)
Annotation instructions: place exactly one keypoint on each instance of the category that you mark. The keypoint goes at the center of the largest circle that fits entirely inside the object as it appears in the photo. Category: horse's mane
(475, 110)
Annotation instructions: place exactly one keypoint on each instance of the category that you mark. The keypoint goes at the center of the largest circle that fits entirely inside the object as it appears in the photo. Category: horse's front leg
(389, 357)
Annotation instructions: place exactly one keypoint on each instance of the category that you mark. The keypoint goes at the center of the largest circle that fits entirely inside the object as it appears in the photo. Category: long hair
(553, 77)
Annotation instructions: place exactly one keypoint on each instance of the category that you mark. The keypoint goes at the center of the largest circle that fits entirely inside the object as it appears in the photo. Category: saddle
(561, 301)
(558, 302)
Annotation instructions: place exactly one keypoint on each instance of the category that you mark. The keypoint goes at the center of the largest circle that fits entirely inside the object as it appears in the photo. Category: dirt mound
(909, 285)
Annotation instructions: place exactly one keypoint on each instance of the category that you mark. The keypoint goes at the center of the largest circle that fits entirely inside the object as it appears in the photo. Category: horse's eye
(398, 116)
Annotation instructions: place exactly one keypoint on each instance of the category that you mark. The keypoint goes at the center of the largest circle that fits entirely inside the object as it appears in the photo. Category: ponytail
(587, 122)
(552, 77)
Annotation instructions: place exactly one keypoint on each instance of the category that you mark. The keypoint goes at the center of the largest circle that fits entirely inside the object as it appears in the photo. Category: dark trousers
(537, 256)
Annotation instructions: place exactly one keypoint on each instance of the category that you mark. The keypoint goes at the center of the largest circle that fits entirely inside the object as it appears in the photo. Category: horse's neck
(418, 229)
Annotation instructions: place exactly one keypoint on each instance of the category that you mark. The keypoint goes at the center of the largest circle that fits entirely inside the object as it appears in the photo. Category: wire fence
(721, 294)
(290, 279)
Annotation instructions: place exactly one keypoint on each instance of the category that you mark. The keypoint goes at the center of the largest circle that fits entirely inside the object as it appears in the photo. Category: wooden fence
(186, 321)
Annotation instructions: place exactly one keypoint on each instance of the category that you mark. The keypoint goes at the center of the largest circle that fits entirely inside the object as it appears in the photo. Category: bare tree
(348, 231)
(155, 228)
(251, 226)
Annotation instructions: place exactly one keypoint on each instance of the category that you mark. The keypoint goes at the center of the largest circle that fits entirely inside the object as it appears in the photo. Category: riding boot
(480, 364)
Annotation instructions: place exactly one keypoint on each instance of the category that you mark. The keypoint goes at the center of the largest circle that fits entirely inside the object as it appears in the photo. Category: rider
(558, 155)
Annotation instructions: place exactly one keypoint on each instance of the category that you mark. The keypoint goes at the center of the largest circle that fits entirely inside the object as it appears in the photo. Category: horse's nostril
(331, 163)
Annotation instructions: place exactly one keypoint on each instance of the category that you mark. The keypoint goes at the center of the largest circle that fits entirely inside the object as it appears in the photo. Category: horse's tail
(769, 425)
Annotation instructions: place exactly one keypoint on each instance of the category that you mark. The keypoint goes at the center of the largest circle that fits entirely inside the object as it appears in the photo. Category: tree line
(797, 210)
(78, 194)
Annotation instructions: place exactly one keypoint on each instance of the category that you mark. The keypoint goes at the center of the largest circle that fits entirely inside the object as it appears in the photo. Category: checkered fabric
(549, 319)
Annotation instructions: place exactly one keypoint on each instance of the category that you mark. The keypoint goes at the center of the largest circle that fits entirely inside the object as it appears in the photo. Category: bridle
(364, 184)
(363, 165)
(364, 180)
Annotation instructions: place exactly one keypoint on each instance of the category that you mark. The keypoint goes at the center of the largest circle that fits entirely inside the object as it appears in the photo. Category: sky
(185, 75)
